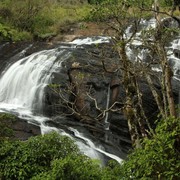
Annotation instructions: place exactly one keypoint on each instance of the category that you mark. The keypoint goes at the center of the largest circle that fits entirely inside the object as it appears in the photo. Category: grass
(62, 16)
(25, 23)
(46, 21)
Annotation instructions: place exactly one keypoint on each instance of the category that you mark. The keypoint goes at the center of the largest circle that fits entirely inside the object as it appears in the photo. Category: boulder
(17, 128)
(23, 129)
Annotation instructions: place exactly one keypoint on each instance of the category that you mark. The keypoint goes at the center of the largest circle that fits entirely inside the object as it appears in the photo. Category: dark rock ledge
(21, 129)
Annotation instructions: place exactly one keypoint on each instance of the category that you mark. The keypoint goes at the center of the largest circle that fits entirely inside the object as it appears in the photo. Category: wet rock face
(84, 82)
(18, 128)
(23, 130)
(79, 91)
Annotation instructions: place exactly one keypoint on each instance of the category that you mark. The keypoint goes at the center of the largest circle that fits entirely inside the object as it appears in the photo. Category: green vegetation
(112, 9)
(40, 19)
(23, 160)
(52, 156)
(77, 168)
(57, 157)
(9, 33)
(159, 157)
(5, 122)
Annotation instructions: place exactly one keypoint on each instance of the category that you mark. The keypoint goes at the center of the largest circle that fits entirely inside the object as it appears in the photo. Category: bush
(8, 33)
(159, 158)
(57, 157)
(76, 168)
(48, 157)
(23, 160)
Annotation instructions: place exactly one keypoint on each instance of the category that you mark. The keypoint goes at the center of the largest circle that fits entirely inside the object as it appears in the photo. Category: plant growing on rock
(5, 121)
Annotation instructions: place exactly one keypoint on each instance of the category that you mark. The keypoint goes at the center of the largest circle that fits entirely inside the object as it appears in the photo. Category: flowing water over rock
(22, 86)
(24, 92)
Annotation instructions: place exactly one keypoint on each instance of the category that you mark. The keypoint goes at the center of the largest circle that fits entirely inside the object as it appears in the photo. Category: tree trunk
(169, 91)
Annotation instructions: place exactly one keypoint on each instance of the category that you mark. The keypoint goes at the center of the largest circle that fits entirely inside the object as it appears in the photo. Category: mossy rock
(6, 121)
(12, 127)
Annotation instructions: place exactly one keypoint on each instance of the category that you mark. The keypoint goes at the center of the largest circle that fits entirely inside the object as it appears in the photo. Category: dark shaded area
(17, 128)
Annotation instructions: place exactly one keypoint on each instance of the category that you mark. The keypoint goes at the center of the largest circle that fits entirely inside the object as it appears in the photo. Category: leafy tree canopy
(57, 157)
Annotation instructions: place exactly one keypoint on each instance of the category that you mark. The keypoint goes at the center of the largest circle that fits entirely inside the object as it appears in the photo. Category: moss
(6, 120)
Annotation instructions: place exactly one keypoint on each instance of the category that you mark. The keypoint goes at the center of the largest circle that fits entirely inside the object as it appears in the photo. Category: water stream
(22, 87)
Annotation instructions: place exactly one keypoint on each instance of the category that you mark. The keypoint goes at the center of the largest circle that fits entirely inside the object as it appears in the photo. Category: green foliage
(43, 18)
(23, 160)
(5, 122)
(77, 168)
(95, 1)
(56, 157)
(159, 158)
(5, 116)
(166, 3)
(24, 12)
(48, 157)
(7, 33)
(116, 9)
(40, 18)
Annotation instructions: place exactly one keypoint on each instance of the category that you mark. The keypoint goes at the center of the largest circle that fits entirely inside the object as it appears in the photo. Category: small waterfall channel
(136, 52)
(22, 86)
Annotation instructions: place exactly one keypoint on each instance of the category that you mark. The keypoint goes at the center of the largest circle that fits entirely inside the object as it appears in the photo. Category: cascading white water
(106, 122)
(22, 84)
(91, 144)
(174, 52)
(22, 87)
(142, 54)
(136, 52)
(174, 57)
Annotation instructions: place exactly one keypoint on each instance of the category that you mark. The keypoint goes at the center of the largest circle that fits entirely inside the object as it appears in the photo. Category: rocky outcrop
(80, 91)
(23, 130)
(17, 128)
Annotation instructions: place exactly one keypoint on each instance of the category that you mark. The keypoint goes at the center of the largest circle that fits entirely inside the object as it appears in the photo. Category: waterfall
(136, 52)
(91, 144)
(22, 86)
(107, 107)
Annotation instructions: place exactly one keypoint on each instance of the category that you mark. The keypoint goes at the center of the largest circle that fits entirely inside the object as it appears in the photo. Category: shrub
(159, 158)
(57, 157)
(8, 33)
(23, 160)
(73, 167)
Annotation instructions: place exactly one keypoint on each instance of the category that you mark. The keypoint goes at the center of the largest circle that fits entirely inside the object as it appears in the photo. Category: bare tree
(130, 72)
